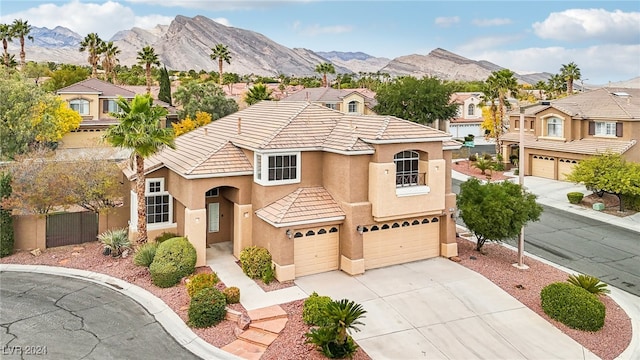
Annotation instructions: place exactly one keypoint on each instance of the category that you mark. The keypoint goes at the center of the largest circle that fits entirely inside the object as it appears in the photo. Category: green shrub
(268, 273)
(177, 252)
(164, 274)
(590, 283)
(165, 236)
(473, 157)
(333, 339)
(498, 166)
(313, 310)
(201, 281)
(573, 306)
(145, 254)
(6, 220)
(207, 308)
(631, 202)
(575, 197)
(115, 241)
(254, 261)
(232, 295)
(487, 156)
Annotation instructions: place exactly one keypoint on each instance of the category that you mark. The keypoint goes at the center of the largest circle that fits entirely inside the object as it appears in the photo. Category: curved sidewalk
(164, 315)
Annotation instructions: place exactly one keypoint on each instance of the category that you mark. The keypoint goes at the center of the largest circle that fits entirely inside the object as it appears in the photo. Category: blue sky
(601, 37)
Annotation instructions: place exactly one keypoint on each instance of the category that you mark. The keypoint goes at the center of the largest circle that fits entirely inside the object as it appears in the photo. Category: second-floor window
(606, 128)
(331, 106)
(406, 168)
(110, 106)
(471, 109)
(353, 106)
(80, 105)
(275, 169)
(554, 127)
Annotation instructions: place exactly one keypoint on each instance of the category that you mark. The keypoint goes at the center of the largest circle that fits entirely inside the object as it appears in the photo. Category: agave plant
(590, 283)
(115, 241)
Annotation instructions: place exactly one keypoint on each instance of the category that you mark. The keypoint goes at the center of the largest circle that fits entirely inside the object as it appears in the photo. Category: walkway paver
(264, 328)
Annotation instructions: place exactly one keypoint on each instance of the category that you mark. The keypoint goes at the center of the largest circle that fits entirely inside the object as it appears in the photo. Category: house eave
(408, 140)
(305, 222)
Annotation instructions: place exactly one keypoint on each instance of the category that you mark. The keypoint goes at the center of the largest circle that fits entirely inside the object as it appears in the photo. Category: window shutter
(619, 129)
(105, 106)
(592, 127)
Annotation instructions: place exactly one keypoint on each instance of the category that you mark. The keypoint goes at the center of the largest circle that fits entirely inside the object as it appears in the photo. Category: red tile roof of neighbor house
(330, 95)
(97, 86)
(583, 146)
(215, 149)
(305, 205)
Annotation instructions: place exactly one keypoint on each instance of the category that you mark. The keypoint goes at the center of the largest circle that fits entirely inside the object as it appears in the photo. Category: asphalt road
(585, 245)
(53, 317)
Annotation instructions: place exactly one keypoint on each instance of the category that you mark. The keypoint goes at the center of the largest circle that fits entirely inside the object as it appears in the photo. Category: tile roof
(93, 86)
(330, 95)
(303, 206)
(583, 146)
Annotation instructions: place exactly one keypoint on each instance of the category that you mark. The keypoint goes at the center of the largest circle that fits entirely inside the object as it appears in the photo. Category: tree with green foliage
(496, 211)
(499, 86)
(324, 69)
(423, 101)
(64, 76)
(93, 45)
(110, 54)
(570, 72)
(138, 129)
(6, 33)
(608, 172)
(257, 93)
(222, 54)
(6, 220)
(35, 71)
(94, 184)
(131, 76)
(148, 57)
(556, 85)
(165, 86)
(206, 97)
(21, 29)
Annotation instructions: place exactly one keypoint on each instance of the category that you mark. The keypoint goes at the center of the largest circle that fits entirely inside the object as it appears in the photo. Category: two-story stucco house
(559, 133)
(469, 116)
(320, 189)
(350, 101)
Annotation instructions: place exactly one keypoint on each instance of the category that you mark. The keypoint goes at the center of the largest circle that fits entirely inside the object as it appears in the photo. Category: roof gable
(96, 86)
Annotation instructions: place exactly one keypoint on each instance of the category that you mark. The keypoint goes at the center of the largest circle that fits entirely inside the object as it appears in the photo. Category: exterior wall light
(289, 233)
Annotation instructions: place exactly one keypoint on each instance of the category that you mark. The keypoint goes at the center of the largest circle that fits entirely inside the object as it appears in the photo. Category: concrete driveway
(437, 309)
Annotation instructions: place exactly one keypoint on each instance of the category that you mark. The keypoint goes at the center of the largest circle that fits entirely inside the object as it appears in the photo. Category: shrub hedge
(575, 197)
(313, 310)
(573, 306)
(201, 281)
(175, 258)
(255, 261)
(207, 308)
(232, 294)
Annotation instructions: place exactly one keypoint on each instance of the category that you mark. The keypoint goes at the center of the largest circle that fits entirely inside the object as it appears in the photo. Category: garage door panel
(565, 167)
(316, 253)
(543, 166)
(400, 245)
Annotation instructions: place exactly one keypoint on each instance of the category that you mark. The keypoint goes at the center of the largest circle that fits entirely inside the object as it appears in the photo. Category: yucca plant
(590, 283)
(115, 241)
(145, 254)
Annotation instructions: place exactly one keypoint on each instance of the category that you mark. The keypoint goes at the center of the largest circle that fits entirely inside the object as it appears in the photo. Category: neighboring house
(559, 133)
(469, 116)
(348, 101)
(320, 189)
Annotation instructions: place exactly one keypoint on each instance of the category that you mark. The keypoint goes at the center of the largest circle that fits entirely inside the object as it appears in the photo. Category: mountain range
(186, 44)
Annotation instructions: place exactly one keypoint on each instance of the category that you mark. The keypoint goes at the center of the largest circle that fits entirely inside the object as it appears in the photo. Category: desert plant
(254, 261)
(487, 156)
(268, 273)
(145, 254)
(198, 282)
(590, 283)
(575, 197)
(165, 236)
(232, 294)
(115, 241)
(207, 308)
(177, 252)
(483, 164)
(333, 339)
(573, 306)
(473, 157)
(314, 308)
(164, 274)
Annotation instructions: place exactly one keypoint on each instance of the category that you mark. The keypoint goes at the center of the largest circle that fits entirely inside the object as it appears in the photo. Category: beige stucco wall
(29, 232)
(94, 104)
(82, 139)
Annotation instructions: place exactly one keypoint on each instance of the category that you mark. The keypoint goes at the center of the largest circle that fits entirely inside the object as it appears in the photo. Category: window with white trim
(471, 109)
(554, 127)
(353, 106)
(214, 217)
(605, 128)
(159, 202)
(110, 106)
(331, 106)
(80, 105)
(276, 169)
(406, 168)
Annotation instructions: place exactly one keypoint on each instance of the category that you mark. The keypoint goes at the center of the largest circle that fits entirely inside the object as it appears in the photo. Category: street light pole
(520, 264)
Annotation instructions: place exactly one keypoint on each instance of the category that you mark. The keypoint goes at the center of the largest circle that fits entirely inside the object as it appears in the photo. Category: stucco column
(448, 244)
(242, 222)
(195, 229)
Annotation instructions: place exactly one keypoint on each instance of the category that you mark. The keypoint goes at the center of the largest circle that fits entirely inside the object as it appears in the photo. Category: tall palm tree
(6, 32)
(324, 69)
(109, 59)
(139, 130)
(257, 93)
(557, 84)
(570, 72)
(221, 53)
(93, 45)
(21, 30)
(498, 87)
(147, 57)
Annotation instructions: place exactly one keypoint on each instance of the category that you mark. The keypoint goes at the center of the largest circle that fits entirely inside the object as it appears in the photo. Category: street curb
(167, 318)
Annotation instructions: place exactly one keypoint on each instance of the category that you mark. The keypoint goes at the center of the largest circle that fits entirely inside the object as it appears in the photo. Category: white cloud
(491, 22)
(212, 4)
(590, 24)
(446, 21)
(223, 21)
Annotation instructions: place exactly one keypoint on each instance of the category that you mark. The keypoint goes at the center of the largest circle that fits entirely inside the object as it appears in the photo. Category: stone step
(232, 315)
(245, 349)
(267, 313)
(258, 337)
(274, 325)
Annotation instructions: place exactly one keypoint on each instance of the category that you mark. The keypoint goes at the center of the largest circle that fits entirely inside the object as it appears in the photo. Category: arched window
(353, 106)
(395, 225)
(385, 226)
(310, 233)
(554, 127)
(425, 221)
(322, 231)
(375, 228)
(80, 105)
(415, 222)
(471, 109)
(298, 235)
(406, 168)
(406, 223)
(333, 229)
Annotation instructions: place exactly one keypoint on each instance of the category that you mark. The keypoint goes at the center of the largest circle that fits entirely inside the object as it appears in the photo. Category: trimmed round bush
(207, 308)
(573, 306)
(254, 261)
(201, 281)
(177, 252)
(164, 274)
(165, 236)
(575, 197)
(145, 254)
(313, 310)
(232, 294)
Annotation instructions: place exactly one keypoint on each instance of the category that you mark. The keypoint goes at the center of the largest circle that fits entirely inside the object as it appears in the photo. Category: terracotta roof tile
(305, 205)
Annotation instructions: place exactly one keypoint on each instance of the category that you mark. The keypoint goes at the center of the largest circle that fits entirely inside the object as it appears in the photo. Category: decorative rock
(184, 308)
(63, 261)
(125, 253)
(78, 248)
(521, 287)
(598, 206)
(473, 257)
(243, 322)
(237, 331)
(455, 259)
(36, 252)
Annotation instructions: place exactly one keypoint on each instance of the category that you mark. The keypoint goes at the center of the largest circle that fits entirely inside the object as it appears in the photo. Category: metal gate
(71, 228)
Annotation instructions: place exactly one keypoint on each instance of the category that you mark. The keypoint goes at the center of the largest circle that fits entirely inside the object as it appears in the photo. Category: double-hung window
(276, 169)
(353, 106)
(554, 127)
(80, 105)
(605, 128)
(110, 106)
(158, 202)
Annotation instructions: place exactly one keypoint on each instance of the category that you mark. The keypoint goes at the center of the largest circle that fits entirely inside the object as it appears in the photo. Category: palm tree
(138, 130)
(557, 84)
(148, 57)
(570, 72)
(257, 93)
(6, 32)
(344, 315)
(221, 53)
(21, 29)
(498, 86)
(93, 45)
(324, 69)
(110, 60)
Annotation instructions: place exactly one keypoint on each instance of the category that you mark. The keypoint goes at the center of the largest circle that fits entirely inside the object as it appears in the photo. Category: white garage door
(401, 242)
(543, 166)
(316, 250)
(565, 167)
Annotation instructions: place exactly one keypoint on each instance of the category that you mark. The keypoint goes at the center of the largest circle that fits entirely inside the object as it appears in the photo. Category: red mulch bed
(466, 167)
